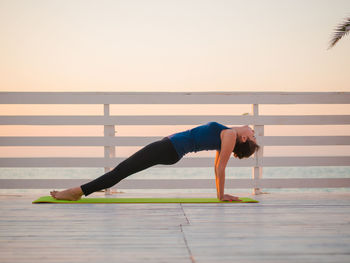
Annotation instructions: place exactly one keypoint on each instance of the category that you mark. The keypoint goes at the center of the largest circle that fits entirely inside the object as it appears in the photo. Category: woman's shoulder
(229, 131)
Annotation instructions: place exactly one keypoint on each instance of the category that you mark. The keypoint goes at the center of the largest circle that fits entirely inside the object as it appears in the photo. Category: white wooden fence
(109, 141)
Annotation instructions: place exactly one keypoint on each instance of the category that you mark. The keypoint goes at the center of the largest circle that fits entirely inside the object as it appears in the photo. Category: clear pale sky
(254, 45)
(217, 45)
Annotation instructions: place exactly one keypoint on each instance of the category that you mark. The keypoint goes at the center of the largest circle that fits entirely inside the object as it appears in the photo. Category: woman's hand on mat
(227, 197)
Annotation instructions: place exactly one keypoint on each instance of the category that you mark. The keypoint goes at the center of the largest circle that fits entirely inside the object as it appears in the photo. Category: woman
(211, 136)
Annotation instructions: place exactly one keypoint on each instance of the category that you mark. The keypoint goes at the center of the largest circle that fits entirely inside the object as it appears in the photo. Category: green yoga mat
(49, 199)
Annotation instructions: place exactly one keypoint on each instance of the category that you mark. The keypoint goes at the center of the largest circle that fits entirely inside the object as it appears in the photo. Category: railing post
(109, 151)
(257, 169)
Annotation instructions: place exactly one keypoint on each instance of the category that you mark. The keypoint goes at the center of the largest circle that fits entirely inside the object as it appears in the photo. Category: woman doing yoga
(211, 136)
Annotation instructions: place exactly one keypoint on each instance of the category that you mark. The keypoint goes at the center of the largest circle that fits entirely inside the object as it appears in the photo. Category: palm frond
(340, 31)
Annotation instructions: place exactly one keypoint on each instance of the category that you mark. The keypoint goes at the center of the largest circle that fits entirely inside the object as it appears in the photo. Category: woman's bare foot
(228, 197)
(71, 194)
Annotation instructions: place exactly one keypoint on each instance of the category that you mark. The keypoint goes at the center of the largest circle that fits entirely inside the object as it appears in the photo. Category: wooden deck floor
(281, 228)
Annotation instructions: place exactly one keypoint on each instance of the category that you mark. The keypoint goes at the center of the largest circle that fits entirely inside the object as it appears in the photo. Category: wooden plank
(303, 140)
(174, 97)
(111, 162)
(144, 140)
(304, 183)
(77, 140)
(184, 162)
(305, 161)
(176, 120)
(181, 183)
(66, 141)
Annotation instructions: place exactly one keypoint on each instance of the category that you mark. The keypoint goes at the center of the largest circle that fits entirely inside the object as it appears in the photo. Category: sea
(168, 172)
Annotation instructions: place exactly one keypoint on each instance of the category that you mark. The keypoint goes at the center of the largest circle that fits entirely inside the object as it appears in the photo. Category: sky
(215, 45)
(221, 45)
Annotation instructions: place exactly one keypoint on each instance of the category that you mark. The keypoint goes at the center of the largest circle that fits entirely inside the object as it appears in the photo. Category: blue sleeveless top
(204, 137)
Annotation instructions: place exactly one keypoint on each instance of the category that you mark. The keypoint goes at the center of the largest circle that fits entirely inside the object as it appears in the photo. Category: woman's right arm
(227, 145)
(216, 174)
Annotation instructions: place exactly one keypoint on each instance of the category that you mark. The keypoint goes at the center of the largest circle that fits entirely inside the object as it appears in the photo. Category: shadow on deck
(296, 227)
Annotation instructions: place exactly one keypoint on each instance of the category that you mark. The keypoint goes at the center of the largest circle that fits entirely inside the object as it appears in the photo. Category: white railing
(109, 141)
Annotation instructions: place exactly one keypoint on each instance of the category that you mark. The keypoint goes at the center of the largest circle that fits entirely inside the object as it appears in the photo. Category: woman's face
(251, 135)
(248, 134)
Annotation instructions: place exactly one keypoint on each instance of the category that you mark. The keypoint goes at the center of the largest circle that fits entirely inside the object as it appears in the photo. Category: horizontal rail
(181, 183)
(176, 120)
(305, 161)
(109, 162)
(142, 141)
(185, 162)
(174, 98)
(303, 140)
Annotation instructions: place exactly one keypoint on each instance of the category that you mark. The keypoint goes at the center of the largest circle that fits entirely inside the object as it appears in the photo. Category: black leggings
(159, 152)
